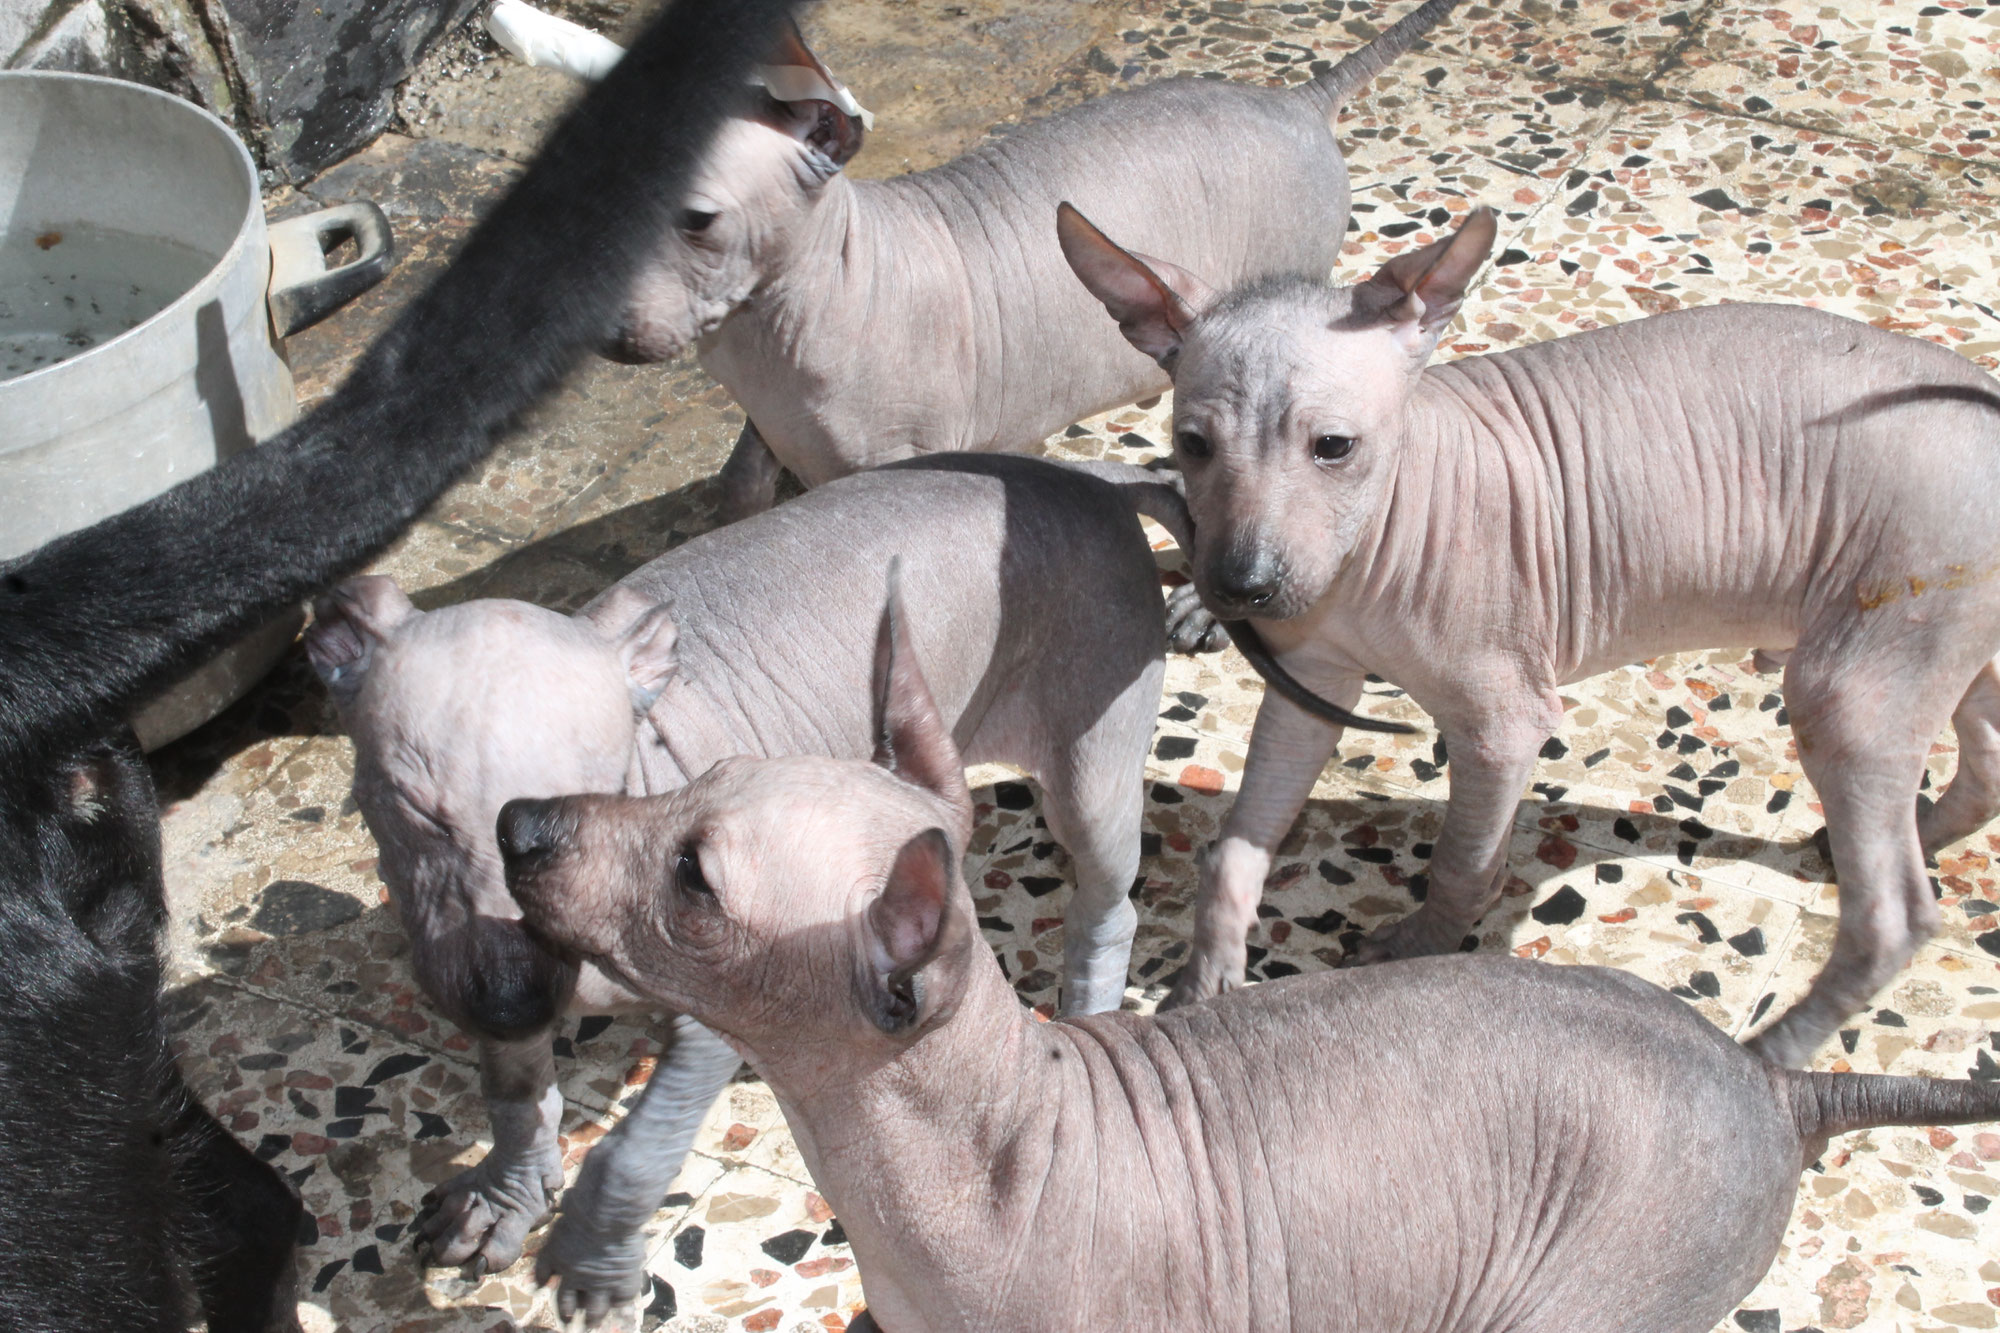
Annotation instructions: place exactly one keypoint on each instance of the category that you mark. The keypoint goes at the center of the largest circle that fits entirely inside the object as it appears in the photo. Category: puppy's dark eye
(1192, 444)
(695, 219)
(687, 874)
(1332, 448)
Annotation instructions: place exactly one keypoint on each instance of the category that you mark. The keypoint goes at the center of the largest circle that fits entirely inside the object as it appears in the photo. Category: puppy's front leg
(1492, 756)
(1288, 749)
(598, 1245)
(481, 1217)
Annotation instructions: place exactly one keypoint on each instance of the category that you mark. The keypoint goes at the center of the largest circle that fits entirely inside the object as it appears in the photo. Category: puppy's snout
(1248, 579)
(530, 834)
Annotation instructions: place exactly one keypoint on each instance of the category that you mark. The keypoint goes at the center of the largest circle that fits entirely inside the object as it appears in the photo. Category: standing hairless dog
(863, 321)
(1041, 613)
(1454, 1145)
(1483, 532)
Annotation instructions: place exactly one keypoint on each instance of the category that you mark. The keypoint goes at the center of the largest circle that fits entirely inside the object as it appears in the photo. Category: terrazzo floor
(1646, 155)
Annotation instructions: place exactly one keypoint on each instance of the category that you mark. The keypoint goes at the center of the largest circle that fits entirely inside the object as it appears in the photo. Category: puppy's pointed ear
(910, 924)
(912, 739)
(349, 624)
(821, 111)
(1416, 294)
(641, 631)
(1153, 301)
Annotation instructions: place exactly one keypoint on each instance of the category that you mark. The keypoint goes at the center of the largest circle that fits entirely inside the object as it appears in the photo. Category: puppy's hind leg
(1973, 798)
(1094, 799)
(1862, 741)
(750, 477)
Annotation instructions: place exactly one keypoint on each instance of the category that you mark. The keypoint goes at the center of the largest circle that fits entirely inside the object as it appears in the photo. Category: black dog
(123, 1203)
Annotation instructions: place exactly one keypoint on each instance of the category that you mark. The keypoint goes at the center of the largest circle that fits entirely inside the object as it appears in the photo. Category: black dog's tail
(1334, 87)
(95, 621)
(1827, 1104)
(1157, 493)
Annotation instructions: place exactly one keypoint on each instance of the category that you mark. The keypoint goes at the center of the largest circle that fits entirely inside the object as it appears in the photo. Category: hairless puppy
(1454, 1145)
(1041, 615)
(1483, 532)
(863, 321)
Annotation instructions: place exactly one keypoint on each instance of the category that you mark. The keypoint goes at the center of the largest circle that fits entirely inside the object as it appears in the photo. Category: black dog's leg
(244, 1222)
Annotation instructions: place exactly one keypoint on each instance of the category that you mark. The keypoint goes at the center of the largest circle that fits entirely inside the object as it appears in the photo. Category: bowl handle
(303, 289)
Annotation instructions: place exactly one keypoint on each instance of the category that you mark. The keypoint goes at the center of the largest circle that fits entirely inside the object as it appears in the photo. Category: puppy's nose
(1249, 580)
(529, 832)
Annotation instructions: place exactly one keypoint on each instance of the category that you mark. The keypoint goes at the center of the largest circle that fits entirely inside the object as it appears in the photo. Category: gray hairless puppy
(1042, 615)
(1482, 532)
(1453, 1145)
(862, 321)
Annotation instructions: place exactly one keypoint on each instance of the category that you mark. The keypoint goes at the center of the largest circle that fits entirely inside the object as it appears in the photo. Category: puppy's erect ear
(909, 926)
(1153, 301)
(641, 631)
(1416, 294)
(912, 739)
(349, 624)
(822, 112)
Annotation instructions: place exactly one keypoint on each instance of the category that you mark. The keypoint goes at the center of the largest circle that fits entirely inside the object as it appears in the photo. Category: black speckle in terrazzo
(368, 1259)
(356, 1101)
(297, 907)
(1704, 929)
(1608, 873)
(1977, 1203)
(1039, 886)
(432, 1125)
(1563, 906)
(308, 1230)
(1329, 922)
(1166, 795)
(1553, 748)
(1335, 875)
(1759, 1321)
(1989, 941)
(401, 1063)
(1779, 800)
(1848, 1039)
(687, 1246)
(592, 1027)
(1017, 796)
(1180, 713)
(271, 1145)
(263, 1060)
(678, 1199)
(660, 1308)
(328, 1274)
(301, 1104)
(391, 1233)
(788, 1247)
(1173, 747)
(1750, 943)
(833, 1235)
(1889, 1018)
(1763, 1007)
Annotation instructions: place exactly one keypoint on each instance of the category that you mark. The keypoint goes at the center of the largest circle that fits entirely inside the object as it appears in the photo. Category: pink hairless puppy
(1472, 1144)
(1483, 532)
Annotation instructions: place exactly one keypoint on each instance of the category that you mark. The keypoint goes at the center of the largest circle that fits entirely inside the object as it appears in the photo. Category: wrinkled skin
(1031, 587)
(809, 295)
(1484, 532)
(1452, 1145)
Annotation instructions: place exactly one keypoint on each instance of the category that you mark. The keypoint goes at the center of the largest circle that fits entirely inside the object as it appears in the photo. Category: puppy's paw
(1202, 979)
(1418, 935)
(479, 1219)
(599, 1268)
(1191, 627)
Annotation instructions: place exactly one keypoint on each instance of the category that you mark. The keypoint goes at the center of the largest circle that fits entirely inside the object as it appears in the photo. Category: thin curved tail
(1828, 1104)
(1334, 87)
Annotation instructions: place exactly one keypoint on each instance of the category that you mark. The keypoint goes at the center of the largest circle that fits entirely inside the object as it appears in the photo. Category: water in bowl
(64, 290)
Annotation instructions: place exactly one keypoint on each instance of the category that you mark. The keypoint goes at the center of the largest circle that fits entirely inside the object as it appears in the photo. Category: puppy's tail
(1155, 492)
(1829, 1104)
(1334, 87)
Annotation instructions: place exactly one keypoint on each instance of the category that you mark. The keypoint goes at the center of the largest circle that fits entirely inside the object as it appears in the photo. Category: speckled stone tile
(1644, 154)
(1913, 75)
